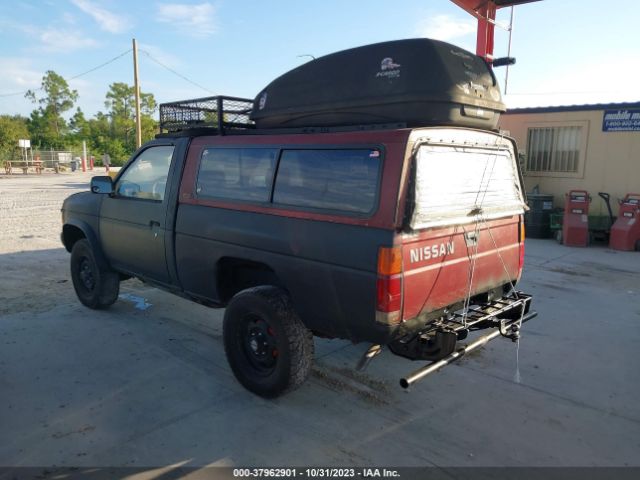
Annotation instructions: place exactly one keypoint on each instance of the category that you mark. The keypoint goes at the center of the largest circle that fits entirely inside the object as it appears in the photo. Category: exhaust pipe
(419, 374)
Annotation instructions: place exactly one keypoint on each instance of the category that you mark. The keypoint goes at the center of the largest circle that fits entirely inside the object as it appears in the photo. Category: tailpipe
(419, 374)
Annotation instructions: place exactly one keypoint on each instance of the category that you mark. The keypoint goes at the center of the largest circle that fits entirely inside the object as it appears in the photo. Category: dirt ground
(34, 273)
(145, 383)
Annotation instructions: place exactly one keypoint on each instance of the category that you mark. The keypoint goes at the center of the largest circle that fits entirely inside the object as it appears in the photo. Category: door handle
(154, 226)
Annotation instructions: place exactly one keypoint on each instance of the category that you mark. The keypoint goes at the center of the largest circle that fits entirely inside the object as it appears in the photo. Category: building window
(554, 149)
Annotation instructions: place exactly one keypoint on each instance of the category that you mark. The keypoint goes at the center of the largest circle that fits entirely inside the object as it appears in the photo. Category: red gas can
(575, 223)
(625, 233)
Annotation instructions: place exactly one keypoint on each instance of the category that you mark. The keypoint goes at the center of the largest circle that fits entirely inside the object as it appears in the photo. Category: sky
(567, 51)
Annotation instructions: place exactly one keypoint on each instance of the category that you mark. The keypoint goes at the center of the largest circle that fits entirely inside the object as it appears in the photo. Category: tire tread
(299, 337)
(107, 281)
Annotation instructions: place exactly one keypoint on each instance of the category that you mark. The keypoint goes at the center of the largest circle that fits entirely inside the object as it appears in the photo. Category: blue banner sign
(626, 120)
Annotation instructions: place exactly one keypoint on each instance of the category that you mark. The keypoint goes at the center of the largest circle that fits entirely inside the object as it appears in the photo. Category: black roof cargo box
(418, 82)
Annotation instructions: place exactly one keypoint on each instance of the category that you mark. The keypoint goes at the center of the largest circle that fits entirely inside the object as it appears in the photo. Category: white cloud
(171, 61)
(79, 83)
(50, 39)
(445, 27)
(107, 20)
(60, 40)
(18, 74)
(69, 18)
(194, 20)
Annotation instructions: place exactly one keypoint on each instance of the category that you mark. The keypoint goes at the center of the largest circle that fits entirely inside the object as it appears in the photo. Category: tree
(120, 104)
(78, 124)
(47, 124)
(112, 131)
(12, 129)
(148, 104)
(120, 101)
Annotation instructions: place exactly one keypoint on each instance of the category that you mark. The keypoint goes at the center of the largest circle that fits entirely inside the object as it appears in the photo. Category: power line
(153, 59)
(13, 94)
(74, 77)
(101, 65)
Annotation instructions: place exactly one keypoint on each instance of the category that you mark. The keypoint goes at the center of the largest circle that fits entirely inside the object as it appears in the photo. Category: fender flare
(91, 236)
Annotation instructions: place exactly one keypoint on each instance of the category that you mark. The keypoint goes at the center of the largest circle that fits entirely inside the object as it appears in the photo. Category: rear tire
(269, 349)
(96, 288)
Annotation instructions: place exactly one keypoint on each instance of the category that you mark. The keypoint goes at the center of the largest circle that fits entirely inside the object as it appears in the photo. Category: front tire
(96, 288)
(268, 348)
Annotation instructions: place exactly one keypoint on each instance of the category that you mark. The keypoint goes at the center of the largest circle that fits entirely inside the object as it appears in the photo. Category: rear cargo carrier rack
(504, 317)
(221, 113)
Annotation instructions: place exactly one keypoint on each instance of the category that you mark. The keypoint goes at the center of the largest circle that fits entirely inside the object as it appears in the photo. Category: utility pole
(136, 88)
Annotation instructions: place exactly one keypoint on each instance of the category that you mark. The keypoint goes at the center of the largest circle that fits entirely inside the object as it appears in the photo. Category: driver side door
(133, 227)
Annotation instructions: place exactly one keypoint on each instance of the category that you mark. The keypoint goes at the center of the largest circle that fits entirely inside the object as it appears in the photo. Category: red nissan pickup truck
(405, 235)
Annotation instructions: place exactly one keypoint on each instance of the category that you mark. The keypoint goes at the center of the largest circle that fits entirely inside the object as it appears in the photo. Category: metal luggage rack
(477, 315)
(220, 113)
(503, 317)
(481, 316)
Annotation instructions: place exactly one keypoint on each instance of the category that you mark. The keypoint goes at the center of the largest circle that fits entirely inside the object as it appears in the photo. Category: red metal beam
(486, 27)
(485, 12)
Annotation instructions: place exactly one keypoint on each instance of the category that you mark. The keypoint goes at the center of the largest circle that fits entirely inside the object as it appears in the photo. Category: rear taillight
(389, 285)
(389, 293)
(521, 259)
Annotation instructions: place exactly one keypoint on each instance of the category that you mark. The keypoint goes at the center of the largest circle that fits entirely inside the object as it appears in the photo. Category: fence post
(84, 156)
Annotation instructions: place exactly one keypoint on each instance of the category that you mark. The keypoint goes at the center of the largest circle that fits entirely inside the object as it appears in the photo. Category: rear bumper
(504, 328)
(438, 339)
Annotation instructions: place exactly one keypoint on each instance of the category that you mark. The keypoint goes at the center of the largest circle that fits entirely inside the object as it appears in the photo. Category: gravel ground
(35, 276)
(146, 383)
(30, 208)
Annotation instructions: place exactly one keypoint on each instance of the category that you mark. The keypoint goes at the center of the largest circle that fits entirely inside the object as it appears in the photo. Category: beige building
(579, 147)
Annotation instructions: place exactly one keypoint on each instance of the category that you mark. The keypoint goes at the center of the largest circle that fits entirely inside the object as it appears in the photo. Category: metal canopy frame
(485, 12)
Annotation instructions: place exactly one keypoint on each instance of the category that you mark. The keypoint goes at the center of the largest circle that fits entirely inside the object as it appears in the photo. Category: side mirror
(102, 184)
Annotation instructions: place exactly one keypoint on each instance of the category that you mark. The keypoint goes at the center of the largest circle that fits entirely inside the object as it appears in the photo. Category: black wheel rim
(259, 345)
(86, 275)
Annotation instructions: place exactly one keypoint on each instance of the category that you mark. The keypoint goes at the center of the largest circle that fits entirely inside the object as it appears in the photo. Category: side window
(236, 173)
(342, 180)
(146, 177)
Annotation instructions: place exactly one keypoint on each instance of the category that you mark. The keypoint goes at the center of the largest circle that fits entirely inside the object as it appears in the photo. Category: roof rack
(220, 113)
